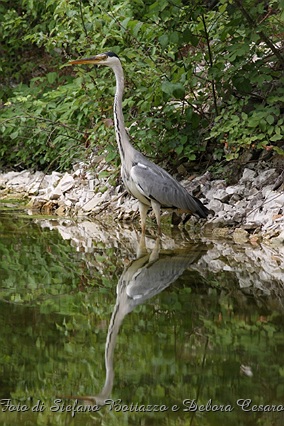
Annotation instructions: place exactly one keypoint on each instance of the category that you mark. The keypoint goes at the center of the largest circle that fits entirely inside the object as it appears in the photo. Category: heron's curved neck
(119, 312)
(121, 134)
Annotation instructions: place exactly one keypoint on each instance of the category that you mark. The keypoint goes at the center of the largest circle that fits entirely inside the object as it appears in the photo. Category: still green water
(89, 310)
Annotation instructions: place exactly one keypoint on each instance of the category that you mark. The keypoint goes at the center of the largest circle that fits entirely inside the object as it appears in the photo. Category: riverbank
(249, 211)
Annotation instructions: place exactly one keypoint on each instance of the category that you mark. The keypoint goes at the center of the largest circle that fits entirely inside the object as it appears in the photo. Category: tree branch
(211, 64)
(263, 36)
(82, 18)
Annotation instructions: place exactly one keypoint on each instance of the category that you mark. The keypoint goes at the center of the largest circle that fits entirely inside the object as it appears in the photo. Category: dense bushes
(203, 79)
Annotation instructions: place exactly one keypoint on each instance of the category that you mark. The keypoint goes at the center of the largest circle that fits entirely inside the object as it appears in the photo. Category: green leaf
(51, 77)
(174, 37)
(167, 87)
(14, 135)
(164, 41)
(173, 89)
(178, 91)
(189, 37)
(137, 28)
(276, 138)
(270, 119)
(111, 156)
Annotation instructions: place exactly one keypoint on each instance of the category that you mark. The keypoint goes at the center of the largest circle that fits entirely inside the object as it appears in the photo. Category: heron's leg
(141, 247)
(143, 209)
(157, 211)
(155, 252)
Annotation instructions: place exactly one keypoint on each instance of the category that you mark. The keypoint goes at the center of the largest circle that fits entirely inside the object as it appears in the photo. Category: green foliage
(258, 128)
(192, 72)
(37, 128)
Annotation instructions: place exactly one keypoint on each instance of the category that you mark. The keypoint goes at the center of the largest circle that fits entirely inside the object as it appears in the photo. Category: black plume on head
(111, 54)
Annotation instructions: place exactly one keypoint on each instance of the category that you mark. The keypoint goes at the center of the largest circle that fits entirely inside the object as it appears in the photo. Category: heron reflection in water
(145, 277)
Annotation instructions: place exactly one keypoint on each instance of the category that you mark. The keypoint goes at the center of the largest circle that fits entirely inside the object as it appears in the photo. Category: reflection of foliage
(36, 264)
(186, 343)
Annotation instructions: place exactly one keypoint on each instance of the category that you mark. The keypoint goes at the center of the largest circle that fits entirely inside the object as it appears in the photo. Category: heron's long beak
(92, 60)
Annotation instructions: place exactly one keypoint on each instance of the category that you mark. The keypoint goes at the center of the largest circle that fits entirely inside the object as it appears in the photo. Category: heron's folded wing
(156, 184)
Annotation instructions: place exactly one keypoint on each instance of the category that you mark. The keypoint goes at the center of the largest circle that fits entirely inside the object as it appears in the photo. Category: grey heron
(149, 183)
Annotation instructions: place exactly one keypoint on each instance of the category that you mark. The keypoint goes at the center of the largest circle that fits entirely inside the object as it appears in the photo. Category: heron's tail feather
(201, 210)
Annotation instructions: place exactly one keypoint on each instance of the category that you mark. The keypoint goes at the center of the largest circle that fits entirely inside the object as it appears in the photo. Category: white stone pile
(255, 204)
(80, 192)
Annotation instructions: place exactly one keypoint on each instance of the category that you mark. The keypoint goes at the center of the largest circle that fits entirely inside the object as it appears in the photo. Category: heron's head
(109, 59)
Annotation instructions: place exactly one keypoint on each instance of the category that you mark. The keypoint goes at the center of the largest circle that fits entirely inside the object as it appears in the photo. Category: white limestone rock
(66, 183)
(248, 176)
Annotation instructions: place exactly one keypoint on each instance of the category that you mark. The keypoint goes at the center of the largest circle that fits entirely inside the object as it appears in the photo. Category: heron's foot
(176, 219)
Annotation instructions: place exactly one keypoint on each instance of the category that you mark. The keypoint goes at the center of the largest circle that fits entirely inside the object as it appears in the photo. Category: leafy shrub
(199, 77)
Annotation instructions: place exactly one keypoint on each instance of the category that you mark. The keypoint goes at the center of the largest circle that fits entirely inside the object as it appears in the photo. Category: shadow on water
(193, 333)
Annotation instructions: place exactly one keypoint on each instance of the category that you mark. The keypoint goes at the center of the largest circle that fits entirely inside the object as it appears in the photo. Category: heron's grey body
(146, 181)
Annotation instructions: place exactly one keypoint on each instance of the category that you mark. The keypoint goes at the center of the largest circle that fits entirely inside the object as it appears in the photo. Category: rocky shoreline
(249, 211)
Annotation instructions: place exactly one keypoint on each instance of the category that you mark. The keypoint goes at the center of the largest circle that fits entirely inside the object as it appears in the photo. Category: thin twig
(82, 19)
(212, 81)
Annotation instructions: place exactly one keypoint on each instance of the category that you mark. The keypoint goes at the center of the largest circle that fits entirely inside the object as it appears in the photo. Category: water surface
(168, 331)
